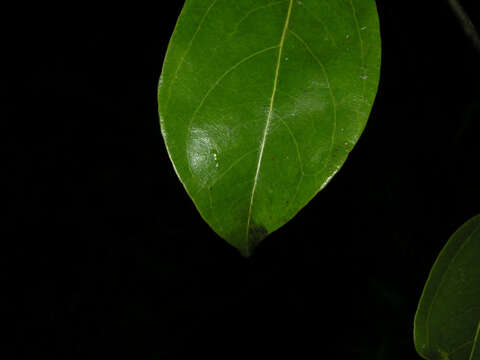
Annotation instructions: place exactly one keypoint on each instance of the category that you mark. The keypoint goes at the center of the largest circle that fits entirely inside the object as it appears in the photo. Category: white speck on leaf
(364, 77)
(363, 28)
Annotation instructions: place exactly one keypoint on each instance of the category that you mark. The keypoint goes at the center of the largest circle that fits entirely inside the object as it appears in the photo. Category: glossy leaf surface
(260, 103)
(448, 314)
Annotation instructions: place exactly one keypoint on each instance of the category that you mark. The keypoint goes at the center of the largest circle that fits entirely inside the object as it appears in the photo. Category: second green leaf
(447, 321)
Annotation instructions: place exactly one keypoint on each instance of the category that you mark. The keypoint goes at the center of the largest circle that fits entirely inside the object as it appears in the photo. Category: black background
(103, 253)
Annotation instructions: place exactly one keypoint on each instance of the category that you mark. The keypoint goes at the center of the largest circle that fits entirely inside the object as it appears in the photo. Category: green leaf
(260, 103)
(448, 313)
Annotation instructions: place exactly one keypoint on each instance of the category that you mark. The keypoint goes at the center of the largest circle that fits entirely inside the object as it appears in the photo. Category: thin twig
(466, 23)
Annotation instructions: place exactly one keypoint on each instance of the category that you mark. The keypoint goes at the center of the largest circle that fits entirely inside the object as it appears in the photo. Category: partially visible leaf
(261, 101)
(448, 313)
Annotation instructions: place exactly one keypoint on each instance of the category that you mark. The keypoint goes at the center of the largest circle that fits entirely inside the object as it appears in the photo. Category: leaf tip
(256, 234)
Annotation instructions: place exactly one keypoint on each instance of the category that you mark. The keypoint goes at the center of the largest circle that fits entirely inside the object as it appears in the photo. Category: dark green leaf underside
(260, 103)
(448, 313)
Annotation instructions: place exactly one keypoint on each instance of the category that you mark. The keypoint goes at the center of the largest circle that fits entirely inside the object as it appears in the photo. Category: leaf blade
(248, 108)
(449, 308)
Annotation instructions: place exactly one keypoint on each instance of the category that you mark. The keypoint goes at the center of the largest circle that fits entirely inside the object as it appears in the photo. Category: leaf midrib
(269, 118)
